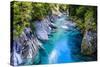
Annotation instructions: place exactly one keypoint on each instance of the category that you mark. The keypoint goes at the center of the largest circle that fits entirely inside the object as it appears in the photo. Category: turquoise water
(62, 45)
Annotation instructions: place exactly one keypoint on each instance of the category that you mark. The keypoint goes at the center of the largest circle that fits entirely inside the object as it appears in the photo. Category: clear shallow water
(63, 46)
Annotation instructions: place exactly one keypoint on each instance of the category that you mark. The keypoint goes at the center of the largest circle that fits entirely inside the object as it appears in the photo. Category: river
(64, 45)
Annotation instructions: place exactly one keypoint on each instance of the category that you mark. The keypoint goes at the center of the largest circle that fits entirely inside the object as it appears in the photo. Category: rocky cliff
(25, 48)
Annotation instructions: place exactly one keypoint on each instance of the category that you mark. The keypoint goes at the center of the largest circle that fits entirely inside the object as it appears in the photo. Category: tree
(21, 16)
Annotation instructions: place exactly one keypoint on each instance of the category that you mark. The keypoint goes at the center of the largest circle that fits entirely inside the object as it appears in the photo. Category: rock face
(43, 28)
(89, 44)
(25, 48)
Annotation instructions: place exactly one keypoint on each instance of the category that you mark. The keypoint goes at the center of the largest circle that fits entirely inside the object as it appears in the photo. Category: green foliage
(72, 10)
(84, 16)
(21, 15)
(86, 20)
(39, 10)
(80, 11)
(24, 12)
(63, 7)
(90, 19)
